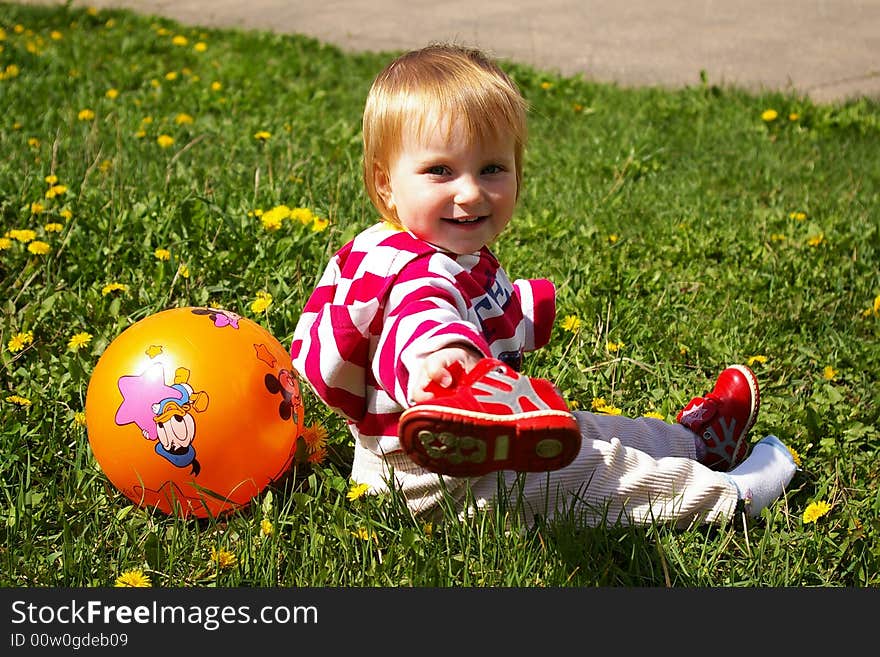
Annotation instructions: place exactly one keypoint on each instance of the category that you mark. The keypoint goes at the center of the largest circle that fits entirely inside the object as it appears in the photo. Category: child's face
(449, 192)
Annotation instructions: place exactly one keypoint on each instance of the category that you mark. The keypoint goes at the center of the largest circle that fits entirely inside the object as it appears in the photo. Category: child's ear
(382, 182)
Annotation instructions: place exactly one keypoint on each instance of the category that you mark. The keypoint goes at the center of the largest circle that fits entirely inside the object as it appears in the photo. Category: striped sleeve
(537, 297)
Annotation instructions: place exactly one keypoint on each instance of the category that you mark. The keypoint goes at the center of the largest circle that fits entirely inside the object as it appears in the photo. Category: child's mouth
(464, 221)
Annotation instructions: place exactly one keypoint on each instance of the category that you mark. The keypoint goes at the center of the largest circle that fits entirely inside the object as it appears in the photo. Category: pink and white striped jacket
(386, 300)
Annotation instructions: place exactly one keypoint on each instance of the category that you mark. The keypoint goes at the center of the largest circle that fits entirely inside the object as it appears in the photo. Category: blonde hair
(438, 81)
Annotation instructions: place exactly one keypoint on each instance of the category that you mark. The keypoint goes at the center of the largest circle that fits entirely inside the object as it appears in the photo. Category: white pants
(631, 470)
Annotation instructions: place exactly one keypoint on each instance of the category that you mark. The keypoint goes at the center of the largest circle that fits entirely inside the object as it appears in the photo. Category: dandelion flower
(53, 227)
(756, 359)
(33, 142)
(769, 115)
(546, 85)
(135, 578)
(18, 400)
(112, 93)
(201, 46)
(266, 527)
(37, 207)
(179, 40)
(19, 341)
(794, 455)
(262, 135)
(79, 419)
(23, 235)
(223, 558)
(5, 243)
(614, 347)
(816, 240)
(599, 405)
(315, 437)
(183, 119)
(654, 414)
(171, 75)
(66, 213)
(271, 221)
(319, 225)
(302, 215)
(38, 247)
(829, 373)
(86, 115)
(357, 491)
(164, 140)
(262, 302)
(183, 270)
(815, 510)
(216, 86)
(571, 323)
(162, 254)
(79, 340)
(797, 215)
(56, 190)
(318, 456)
(55, 35)
(113, 287)
(51, 179)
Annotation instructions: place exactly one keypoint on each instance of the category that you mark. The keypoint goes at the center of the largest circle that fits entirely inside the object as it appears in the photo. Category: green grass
(668, 218)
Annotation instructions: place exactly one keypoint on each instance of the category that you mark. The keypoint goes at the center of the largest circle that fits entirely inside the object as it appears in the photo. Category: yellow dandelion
(183, 119)
(183, 270)
(319, 225)
(613, 237)
(262, 302)
(364, 534)
(315, 437)
(266, 527)
(769, 115)
(794, 455)
(223, 558)
(33, 142)
(683, 350)
(37, 207)
(271, 221)
(53, 227)
(614, 347)
(164, 140)
(162, 254)
(318, 456)
(829, 373)
(815, 510)
(19, 341)
(171, 75)
(216, 86)
(302, 215)
(201, 46)
(23, 235)
(816, 240)
(66, 213)
(38, 247)
(112, 93)
(113, 287)
(262, 135)
(756, 359)
(599, 405)
(357, 491)
(58, 190)
(51, 179)
(79, 419)
(86, 115)
(793, 116)
(79, 340)
(179, 40)
(18, 400)
(5, 243)
(546, 85)
(55, 35)
(135, 578)
(655, 414)
(797, 215)
(777, 237)
(571, 323)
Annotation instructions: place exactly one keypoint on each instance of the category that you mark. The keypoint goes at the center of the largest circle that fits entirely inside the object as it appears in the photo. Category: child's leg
(611, 481)
(647, 434)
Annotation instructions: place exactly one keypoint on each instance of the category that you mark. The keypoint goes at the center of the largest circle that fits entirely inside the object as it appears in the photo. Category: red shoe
(491, 418)
(724, 417)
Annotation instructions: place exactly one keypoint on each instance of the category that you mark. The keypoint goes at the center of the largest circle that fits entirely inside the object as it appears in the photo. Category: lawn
(150, 165)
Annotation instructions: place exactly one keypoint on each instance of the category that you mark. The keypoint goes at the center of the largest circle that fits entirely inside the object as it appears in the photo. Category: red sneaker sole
(463, 443)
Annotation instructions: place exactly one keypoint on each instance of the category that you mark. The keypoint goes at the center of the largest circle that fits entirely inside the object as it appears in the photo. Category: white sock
(763, 476)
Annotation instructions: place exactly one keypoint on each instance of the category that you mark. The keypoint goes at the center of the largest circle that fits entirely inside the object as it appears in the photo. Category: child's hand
(438, 370)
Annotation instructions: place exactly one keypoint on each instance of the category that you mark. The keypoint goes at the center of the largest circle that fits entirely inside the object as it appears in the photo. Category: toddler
(415, 335)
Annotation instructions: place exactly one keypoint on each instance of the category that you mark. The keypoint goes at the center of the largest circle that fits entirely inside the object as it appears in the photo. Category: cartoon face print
(163, 413)
(285, 384)
(220, 317)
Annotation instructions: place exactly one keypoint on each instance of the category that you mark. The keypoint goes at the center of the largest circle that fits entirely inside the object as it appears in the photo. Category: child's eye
(437, 170)
(493, 168)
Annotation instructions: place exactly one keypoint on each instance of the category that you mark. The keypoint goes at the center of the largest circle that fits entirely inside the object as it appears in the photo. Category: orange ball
(194, 411)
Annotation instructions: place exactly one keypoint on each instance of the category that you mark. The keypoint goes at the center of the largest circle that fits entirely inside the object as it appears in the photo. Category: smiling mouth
(464, 221)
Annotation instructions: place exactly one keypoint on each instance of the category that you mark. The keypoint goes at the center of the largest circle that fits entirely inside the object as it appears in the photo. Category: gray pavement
(828, 50)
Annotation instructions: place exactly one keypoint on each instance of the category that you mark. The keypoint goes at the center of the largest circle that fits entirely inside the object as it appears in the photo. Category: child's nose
(468, 190)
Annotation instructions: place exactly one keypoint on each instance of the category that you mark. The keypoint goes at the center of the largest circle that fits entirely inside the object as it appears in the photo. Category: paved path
(828, 50)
